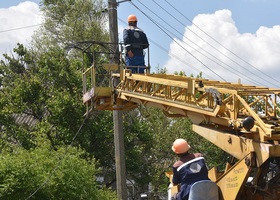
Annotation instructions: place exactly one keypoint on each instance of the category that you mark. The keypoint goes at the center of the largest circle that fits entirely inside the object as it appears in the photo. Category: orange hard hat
(180, 146)
(132, 18)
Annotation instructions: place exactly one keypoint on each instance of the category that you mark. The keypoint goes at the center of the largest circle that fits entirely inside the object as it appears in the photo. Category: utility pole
(117, 114)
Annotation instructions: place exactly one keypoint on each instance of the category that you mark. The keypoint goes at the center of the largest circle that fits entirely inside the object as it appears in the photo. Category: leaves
(41, 112)
(60, 174)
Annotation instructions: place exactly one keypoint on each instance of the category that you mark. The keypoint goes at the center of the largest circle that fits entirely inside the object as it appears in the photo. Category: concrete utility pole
(117, 114)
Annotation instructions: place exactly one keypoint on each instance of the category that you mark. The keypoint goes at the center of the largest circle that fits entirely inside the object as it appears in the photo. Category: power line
(176, 41)
(170, 53)
(60, 160)
(260, 77)
(234, 71)
(19, 28)
(226, 49)
(211, 59)
(67, 149)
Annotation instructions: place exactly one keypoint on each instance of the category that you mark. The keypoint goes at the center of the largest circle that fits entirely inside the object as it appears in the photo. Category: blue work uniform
(190, 169)
(135, 40)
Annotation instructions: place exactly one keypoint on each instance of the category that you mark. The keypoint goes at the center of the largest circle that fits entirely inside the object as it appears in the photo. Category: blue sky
(247, 16)
(248, 28)
(8, 3)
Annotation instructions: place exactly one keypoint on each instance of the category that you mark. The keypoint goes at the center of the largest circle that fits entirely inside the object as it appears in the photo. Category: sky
(14, 15)
(226, 40)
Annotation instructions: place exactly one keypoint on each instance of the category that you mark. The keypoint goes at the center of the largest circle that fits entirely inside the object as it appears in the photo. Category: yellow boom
(227, 114)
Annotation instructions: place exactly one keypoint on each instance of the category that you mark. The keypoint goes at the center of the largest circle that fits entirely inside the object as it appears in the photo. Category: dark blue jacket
(187, 174)
(135, 40)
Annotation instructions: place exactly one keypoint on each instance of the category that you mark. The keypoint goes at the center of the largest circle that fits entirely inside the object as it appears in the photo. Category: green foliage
(42, 173)
(71, 21)
(44, 93)
(160, 132)
(98, 140)
(197, 76)
(139, 141)
(180, 73)
(161, 70)
(43, 84)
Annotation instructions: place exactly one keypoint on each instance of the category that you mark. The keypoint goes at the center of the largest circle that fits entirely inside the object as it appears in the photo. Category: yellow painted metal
(243, 149)
(238, 146)
(100, 92)
(88, 75)
(169, 175)
(111, 67)
(191, 86)
(233, 180)
(230, 183)
(201, 100)
(252, 113)
(221, 106)
(212, 174)
(181, 94)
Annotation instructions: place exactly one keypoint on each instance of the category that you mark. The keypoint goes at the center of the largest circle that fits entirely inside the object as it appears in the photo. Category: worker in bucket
(189, 169)
(135, 40)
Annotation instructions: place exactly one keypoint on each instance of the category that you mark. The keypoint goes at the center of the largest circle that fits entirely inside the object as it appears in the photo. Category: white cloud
(13, 20)
(260, 49)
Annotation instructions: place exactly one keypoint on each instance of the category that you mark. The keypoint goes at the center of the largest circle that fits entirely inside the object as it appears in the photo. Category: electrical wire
(223, 47)
(73, 139)
(234, 71)
(19, 28)
(213, 57)
(177, 42)
(60, 161)
(170, 53)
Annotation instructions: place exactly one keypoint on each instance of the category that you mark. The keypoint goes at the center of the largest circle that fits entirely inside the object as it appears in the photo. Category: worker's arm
(176, 176)
(145, 41)
(127, 41)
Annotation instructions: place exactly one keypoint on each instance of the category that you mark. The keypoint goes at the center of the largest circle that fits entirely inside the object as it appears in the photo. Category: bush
(42, 173)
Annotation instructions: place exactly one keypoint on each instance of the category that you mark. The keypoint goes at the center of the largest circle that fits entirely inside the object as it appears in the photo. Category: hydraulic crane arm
(211, 102)
(240, 119)
(202, 100)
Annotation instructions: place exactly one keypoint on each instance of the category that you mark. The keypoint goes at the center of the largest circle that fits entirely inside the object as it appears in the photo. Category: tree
(55, 116)
(43, 84)
(159, 134)
(68, 21)
(42, 173)
(44, 91)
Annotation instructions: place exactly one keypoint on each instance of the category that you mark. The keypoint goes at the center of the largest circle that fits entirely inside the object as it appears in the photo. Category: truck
(241, 119)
